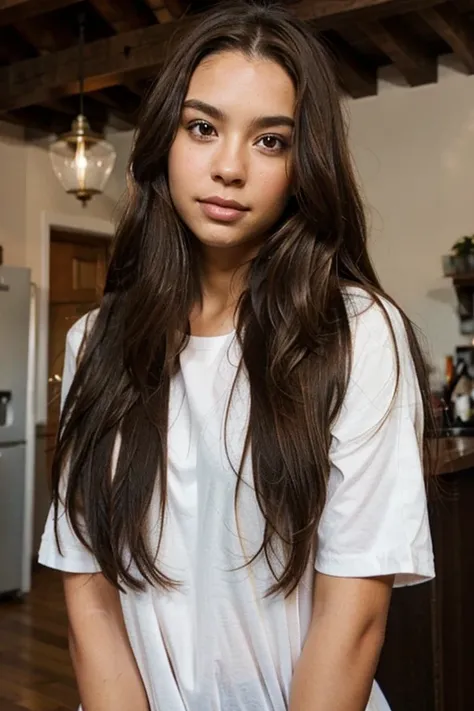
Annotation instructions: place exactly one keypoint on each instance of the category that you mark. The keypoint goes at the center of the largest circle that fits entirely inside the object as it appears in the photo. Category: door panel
(77, 271)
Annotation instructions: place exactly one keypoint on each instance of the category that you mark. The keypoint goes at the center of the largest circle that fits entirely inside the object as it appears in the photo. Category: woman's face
(229, 166)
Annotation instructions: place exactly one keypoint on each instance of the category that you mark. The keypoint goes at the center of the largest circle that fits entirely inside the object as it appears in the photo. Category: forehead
(231, 81)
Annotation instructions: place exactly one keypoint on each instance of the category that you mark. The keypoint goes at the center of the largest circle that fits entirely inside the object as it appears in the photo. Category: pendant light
(81, 159)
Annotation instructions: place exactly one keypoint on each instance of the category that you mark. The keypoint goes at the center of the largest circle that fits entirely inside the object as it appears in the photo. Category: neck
(223, 275)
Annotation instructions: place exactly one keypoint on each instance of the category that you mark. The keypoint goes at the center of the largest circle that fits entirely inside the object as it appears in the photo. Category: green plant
(463, 246)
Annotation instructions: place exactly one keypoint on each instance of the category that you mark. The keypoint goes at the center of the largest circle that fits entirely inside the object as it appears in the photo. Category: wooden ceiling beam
(97, 114)
(106, 63)
(12, 11)
(449, 24)
(355, 78)
(109, 61)
(40, 118)
(464, 5)
(124, 110)
(14, 47)
(355, 10)
(45, 34)
(17, 43)
(122, 15)
(134, 86)
(167, 10)
(416, 66)
(354, 82)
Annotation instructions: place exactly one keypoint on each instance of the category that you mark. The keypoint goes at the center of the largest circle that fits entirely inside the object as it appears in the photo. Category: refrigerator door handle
(5, 406)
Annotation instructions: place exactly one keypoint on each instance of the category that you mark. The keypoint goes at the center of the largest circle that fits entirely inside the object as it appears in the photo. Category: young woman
(238, 479)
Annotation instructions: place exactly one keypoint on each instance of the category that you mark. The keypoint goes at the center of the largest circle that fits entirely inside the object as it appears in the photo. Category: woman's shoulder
(381, 353)
(372, 319)
(80, 329)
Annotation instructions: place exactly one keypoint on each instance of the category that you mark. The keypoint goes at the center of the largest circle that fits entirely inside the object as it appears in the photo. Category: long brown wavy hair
(292, 322)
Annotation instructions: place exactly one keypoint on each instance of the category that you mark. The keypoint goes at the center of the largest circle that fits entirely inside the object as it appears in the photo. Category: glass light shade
(82, 160)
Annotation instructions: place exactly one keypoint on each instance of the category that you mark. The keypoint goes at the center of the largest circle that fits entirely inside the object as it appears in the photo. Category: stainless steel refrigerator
(17, 345)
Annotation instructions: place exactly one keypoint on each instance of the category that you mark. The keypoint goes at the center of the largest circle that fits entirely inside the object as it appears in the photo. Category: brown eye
(201, 129)
(272, 144)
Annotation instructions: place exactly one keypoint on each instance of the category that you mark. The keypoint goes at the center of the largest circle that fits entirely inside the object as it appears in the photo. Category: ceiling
(126, 42)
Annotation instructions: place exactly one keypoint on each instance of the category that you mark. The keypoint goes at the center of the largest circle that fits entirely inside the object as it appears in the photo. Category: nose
(229, 164)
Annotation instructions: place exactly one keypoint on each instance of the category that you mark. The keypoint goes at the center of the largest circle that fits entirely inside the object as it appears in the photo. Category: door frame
(50, 221)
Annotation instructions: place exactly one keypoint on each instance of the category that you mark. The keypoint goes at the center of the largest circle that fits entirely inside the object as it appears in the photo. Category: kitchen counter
(428, 656)
(455, 454)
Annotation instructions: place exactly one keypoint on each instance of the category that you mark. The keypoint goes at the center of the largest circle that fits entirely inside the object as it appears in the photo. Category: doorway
(78, 267)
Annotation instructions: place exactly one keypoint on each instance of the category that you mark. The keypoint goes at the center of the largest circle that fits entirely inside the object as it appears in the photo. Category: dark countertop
(455, 454)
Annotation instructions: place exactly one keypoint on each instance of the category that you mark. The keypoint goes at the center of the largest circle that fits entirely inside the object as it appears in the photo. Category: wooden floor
(35, 670)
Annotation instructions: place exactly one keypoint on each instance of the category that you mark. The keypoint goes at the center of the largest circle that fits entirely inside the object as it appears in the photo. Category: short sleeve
(74, 557)
(375, 521)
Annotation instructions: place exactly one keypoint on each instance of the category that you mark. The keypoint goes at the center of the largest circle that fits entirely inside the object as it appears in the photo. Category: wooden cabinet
(427, 663)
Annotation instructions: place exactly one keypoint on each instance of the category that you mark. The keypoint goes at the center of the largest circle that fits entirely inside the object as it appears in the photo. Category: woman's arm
(337, 665)
(106, 671)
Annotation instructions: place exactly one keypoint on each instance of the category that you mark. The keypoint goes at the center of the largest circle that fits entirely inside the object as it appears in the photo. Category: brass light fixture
(81, 159)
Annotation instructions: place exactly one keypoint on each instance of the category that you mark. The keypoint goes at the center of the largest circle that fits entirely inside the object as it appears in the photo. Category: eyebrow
(259, 122)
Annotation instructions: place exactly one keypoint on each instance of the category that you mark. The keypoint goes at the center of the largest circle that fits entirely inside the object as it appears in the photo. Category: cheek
(180, 175)
(175, 164)
(184, 161)
(275, 187)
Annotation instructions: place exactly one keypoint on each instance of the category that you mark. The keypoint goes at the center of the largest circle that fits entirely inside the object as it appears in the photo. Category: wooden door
(78, 266)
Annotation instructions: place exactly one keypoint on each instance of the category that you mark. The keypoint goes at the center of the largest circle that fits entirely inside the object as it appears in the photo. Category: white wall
(414, 152)
(12, 194)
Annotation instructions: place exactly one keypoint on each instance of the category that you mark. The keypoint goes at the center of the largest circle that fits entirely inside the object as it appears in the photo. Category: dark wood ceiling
(126, 43)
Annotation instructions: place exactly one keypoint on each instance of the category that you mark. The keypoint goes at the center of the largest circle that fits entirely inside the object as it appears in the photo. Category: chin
(212, 241)
(226, 239)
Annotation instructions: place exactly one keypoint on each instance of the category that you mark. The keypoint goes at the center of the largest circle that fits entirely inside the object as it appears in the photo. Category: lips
(231, 204)
(216, 208)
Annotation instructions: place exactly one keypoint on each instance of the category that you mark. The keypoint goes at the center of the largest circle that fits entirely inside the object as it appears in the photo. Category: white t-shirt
(217, 644)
